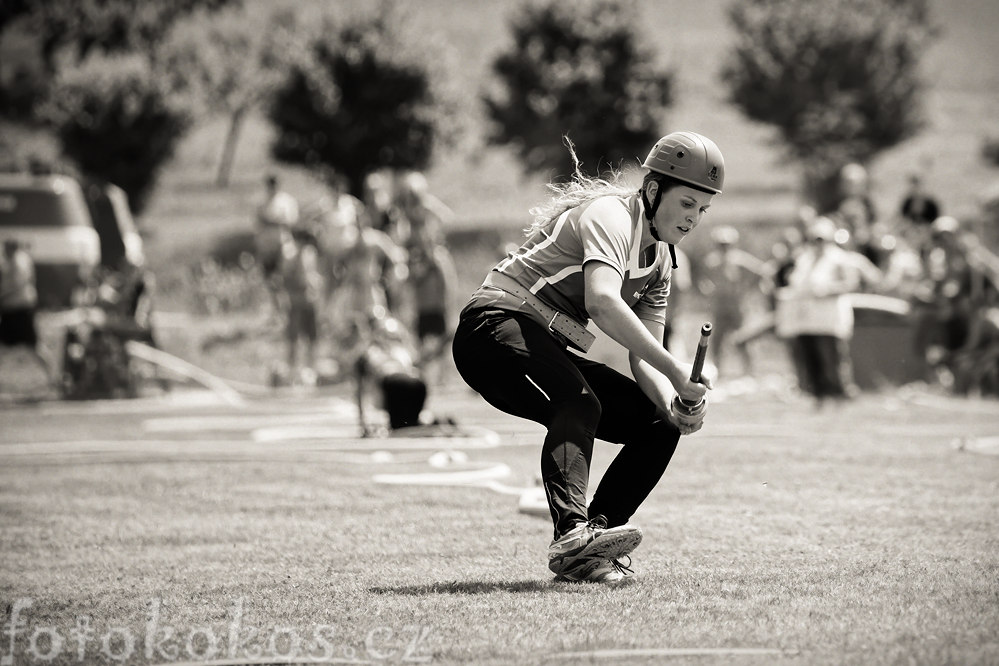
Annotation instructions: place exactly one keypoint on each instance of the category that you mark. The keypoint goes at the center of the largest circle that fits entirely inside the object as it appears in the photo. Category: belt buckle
(551, 324)
(566, 337)
(559, 335)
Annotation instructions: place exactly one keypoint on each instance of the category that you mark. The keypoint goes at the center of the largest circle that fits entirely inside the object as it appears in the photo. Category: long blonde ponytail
(579, 190)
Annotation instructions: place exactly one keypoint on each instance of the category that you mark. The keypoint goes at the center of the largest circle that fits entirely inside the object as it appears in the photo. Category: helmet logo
(713, 173)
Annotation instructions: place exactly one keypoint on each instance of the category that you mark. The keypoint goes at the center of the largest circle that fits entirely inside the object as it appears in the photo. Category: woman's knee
(584, 409)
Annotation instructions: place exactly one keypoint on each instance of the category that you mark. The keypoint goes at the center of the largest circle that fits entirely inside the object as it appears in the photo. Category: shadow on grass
(474, 587)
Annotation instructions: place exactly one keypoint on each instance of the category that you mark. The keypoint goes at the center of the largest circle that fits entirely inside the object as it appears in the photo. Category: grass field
(780, 534)
(863, 535)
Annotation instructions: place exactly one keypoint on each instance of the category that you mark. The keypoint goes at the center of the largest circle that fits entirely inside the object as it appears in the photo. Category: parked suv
(49, 214)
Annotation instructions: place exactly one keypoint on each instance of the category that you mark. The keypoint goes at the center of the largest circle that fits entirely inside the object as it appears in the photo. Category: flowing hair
(579, 190)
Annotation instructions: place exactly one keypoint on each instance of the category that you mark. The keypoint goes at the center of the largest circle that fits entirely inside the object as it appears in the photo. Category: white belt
(562, 325)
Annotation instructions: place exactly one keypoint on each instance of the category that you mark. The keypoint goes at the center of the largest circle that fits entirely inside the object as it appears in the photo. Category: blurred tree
(838, 78)
(990, 150)
(577, 69)
(22, 81)
(63, 32)
(361, 93)
(116, 120)
(225, 62)
(11, 10)
(81, 26)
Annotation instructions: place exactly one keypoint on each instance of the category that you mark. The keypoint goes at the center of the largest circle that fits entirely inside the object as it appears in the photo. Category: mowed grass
(854, 535)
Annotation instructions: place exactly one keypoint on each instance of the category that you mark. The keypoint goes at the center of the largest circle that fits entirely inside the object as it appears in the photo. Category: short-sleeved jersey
(550, 264)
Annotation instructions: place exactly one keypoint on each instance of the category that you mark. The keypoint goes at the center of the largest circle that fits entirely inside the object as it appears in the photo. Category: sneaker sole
(582, 576)
(611, 545)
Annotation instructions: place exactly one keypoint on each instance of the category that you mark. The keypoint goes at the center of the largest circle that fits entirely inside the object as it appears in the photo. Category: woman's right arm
(613, 316)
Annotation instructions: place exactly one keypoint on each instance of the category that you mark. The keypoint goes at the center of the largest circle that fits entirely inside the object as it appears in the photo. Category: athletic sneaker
(599, 570)
(592, 540)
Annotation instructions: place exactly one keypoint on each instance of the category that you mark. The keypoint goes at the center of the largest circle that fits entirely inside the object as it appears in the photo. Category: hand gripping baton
(699, 356)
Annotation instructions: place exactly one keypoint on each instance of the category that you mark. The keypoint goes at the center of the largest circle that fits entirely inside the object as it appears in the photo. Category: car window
(33, 208)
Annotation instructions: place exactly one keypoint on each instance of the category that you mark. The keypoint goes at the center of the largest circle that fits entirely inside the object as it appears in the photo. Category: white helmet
(690, 158)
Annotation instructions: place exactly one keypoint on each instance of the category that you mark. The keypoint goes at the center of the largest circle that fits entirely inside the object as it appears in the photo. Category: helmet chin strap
(650, 213)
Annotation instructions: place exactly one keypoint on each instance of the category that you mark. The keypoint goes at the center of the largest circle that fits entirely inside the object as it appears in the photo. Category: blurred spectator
(975, 364)
(276, 215)
(856, 211)
(917, 211)
(783, 254)
(383, 215)
(955, 289)
(804, 218)
(18, 304)
(364, 266)
(378, 204)
(432, 278)
(776, 271)
(903, 268)
(422, 212)
(96, 363)
(734, 277)
(869, 276)
(362, 261)
(383, 360)
(814, 309)
(918, 207)
(301, 291)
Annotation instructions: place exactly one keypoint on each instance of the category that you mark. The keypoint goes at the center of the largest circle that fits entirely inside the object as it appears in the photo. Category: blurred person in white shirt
(815, 310)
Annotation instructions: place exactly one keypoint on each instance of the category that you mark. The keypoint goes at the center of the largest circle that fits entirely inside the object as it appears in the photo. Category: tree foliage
(95, 82)
(11, 10)
(224, 63)
(60, 33)
(78, 27)
(838, 78)
(117, 121)
(578, 69)
(360, 96)
(990, 150)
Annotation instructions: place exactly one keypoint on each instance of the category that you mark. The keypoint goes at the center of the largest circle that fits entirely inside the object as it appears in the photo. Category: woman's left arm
(654, 384)
(615, 318)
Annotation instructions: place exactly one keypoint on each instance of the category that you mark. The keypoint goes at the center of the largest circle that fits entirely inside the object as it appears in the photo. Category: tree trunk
(229, 149)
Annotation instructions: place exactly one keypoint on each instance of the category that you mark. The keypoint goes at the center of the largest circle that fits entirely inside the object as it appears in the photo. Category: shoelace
(623, 568)
(598, 522)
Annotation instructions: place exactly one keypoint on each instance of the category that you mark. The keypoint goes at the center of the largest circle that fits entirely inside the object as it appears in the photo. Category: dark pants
(17, 328)
(404, 397)
(518, 367)
(826, 365)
